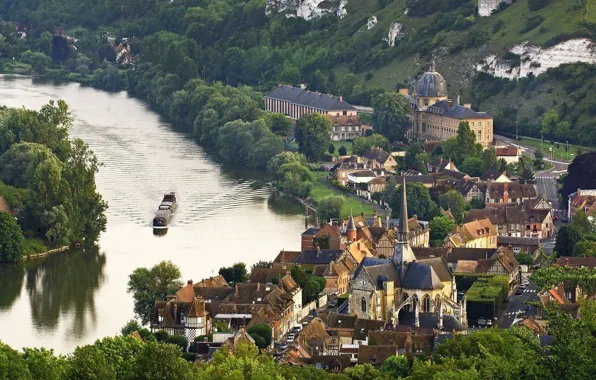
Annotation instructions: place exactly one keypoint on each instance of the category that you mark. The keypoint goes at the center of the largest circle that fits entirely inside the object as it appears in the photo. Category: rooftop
(297, 95)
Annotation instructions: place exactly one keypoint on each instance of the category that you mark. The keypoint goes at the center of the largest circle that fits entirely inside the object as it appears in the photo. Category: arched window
(426, 304)
(437, 303)
(426, 102)
(363, 306)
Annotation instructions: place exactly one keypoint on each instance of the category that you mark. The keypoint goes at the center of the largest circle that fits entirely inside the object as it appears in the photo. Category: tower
(403, 254)
(351, 230)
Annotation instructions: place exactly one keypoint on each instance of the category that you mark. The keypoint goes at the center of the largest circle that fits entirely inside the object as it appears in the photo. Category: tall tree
(330, 207)
(454, 201)
(313, 135)
(419, 201)
(234, 274)
(567, 238)
(363, 144)
(391, 115)
(150, 285)
(440, 227)
(581, 174)
(462, 145)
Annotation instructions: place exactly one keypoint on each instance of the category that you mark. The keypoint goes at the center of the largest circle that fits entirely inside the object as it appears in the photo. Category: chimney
(505, 193)
(468, 105)
(318, 251)
(335, 225)
(341, 98)
(189, 282)
(258, 286)
(387, 221)
(283, 255)
(456, 100)
(330, 267)
(236, 290)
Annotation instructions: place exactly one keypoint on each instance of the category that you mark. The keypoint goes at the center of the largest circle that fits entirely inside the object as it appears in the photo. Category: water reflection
(65, 284)
(11, 283)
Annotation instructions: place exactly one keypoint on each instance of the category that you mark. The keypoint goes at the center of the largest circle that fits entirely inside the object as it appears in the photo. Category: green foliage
(261, 264)
(330, 207)
(567, 238)
(12, 364)
(290, 174)
(130, 327)
(331, 149)
(160, 335)
(363, 144)
(313, 135)
(473, 166)
(222, 326)
(342, 151)
(150, 285)
(262, 331)
(11, 239)
(313, 287)
(524, 258)
(547, 277)
(177, 340)
(419, 201)
(454, 201)
(535, 5)
(391, 115)
(581, 174)
(440, 227)
(43, 365)
(486, 296)
(38, 61)
(462, 146)
(234, 274)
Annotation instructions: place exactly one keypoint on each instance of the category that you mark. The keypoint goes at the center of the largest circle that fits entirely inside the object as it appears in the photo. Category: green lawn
(559, 153)
(356, 206)
(339, 144)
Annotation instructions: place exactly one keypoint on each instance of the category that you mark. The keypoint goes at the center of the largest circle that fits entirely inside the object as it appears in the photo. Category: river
(75, 298)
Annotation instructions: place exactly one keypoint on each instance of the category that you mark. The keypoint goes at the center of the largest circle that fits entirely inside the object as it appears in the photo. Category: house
(267, 275)
(375, 355)
(294, 102)
(572, 290)
(516, 220)
(556, 295)
(331, 363)
(377, 158)
(285, 258)
(510, 154)
(329, 232)
(527, 245)
(471, 189)
(410, 341)
(494, 176)
(358, 182)
(504, 192)
(318, 256)
(582, 200)
(212, 282)
(307, 240)
(344, 127)
(351, 165)
(435, 117)
(336, 275)
(376, 185)
(241, 337)
(439, 164)
(479, 233)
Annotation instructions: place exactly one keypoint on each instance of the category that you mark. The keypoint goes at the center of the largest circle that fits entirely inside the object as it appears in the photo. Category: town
(364, 288)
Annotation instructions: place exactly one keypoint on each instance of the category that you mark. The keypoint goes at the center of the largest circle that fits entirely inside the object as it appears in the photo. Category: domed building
(436, 117)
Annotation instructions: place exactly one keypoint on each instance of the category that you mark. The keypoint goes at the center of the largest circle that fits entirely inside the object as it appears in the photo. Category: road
(516, 305)
(529, 151)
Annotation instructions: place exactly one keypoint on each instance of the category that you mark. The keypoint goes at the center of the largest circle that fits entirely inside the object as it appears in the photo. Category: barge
(164, 213)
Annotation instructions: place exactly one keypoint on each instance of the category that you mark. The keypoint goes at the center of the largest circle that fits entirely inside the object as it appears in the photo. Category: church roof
(421, 276)
(461, 112)
(440, 266)
(378, 270)
(430, 320)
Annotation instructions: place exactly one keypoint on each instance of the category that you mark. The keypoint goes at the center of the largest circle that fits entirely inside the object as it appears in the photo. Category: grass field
(559, 153)
(339, 144)
(320, 191)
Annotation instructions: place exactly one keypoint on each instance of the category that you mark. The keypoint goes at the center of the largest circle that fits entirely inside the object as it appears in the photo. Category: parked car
(481, 322)
(283, 346)
(305, 322)
(489, 322)
(297, 328)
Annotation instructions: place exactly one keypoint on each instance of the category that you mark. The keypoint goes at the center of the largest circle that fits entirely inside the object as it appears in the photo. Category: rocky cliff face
(536, 60)
(307, 9)
(486, 7)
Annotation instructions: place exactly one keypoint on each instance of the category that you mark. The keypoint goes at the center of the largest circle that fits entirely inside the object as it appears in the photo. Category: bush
(531, 23)
(161, 335)
(262, 334)
(130, 327)
(535, 5)
(524, 258)
(178, 340)
(342, 151)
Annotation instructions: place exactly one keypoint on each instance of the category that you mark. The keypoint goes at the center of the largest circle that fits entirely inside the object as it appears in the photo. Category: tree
(363, 144)
(236, 273)
(262, 331)
(454, 201)
(362, 372)
(177, 340)
(582, 223)
(330, 207)
(581, 174)
(416, 158)
(162, 361)
(43, 365)
(585, 248)
(489, 159)
(261, 264)
(38, 61)
(89, 362)
(312, 288)
(278, 123)
(11, 239)
(150, 285)
(538, 159)
(12, 365)
(130, 327)
(391, 115)
(463, 145)
(299, 275)
(419, 201)
(276, 168)
(396, 367)
(524, 258)
(111, 79)
(342, 151)
(567, 238)
(331, 149)
(440, 227)
(472, 166)
(313, 135)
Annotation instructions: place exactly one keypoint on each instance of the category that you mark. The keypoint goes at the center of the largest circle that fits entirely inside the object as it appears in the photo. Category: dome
(432, 84)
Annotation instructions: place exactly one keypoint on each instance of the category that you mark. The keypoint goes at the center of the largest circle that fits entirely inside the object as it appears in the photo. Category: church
(403, 290)
(435, 117)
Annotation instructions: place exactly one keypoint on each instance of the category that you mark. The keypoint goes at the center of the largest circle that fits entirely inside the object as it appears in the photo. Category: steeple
(403, 254)
(402, 235)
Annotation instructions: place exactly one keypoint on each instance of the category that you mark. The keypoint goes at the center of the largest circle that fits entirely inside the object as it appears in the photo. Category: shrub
(178, 340)
(342, 151)
(531, 23)
(161, 335)
(262, 334)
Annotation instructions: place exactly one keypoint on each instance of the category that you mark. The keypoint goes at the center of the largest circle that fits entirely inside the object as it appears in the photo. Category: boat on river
(164, 213)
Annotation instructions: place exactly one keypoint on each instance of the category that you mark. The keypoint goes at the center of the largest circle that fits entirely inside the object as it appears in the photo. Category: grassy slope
(559, 18)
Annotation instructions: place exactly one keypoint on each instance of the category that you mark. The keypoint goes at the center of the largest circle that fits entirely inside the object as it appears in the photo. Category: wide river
(75, 298)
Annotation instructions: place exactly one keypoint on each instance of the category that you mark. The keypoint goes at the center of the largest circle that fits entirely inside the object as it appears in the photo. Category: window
(472, 124)
(479, 135)
(345, 112)
(480, 124)
(426, 304)
(363, 304)
(426, 102)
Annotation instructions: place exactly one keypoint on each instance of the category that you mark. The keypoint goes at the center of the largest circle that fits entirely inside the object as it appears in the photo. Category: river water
(75, 298)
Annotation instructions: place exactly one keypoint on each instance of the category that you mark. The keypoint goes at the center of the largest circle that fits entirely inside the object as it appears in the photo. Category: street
(517, 305)
(529, 151)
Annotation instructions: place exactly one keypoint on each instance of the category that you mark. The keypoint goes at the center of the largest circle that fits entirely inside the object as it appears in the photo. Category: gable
(362, 281)
(497, 267)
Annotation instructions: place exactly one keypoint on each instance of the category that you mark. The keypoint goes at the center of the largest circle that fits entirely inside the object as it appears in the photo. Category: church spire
(351, 229)
(402, 235)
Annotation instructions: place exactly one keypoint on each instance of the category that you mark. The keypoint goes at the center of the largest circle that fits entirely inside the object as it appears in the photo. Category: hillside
(343, 46)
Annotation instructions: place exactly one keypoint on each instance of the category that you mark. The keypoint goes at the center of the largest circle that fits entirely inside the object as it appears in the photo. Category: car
(305, 323)
(332, 304)
(481, 322)
(297, 328)
(519, 291)
(523, 285)
(489, 322)
(556, 217)
(283, 346)
(290, 338)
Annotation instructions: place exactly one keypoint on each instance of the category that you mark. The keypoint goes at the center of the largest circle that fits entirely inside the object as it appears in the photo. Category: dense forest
(236, 43)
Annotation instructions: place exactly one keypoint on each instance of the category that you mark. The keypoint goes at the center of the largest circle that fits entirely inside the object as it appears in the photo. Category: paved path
(516, 305)
(529, 151)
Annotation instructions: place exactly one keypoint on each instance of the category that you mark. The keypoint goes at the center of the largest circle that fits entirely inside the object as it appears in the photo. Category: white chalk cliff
(537, 60)
(395, 33)
(307, 9)
(372, 21)
(486, 7)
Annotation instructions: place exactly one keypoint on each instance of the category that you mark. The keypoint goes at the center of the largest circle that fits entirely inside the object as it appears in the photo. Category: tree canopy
(313, 135)
(391, 115)
(419, 201)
